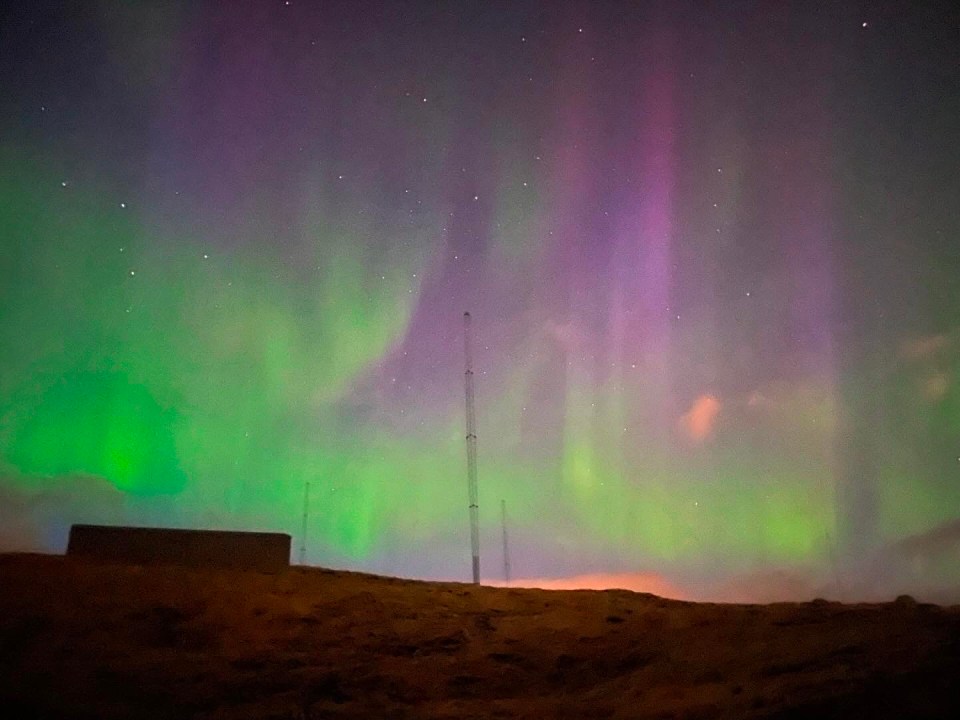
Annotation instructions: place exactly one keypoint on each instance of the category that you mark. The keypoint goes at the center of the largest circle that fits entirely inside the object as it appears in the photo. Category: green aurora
(292, 316)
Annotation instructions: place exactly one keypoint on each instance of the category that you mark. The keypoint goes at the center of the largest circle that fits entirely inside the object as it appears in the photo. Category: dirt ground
(82, 640)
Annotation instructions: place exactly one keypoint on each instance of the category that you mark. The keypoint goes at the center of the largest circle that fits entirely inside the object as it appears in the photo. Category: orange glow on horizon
(635, 582)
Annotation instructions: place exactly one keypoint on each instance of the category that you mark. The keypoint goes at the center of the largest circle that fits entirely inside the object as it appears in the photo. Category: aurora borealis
(711, 251)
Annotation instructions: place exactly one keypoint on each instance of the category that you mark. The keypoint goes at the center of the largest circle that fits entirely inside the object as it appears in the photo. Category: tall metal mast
(506, 546)
(471, 452)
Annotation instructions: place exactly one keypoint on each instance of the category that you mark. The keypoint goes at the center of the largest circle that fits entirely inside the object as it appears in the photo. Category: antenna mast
(303, 528)
(471, 452)
(506, 546)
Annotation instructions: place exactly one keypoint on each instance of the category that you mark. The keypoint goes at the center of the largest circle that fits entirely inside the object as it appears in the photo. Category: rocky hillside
(81, 640)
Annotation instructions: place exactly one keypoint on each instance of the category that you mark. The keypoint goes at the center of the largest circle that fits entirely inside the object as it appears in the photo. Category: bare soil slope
(82, 640)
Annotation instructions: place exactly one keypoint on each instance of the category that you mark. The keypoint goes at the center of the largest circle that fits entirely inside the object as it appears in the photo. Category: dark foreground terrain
(81, 640)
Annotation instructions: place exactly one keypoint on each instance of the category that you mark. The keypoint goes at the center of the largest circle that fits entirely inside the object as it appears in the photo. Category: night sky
(711, 251)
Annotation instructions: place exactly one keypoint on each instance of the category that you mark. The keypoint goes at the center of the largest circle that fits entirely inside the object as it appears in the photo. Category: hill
(81, 640)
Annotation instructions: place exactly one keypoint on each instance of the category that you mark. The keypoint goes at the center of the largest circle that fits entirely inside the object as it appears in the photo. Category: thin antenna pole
(832, 549)
(506, 545)
(303, 528)
(471, 452)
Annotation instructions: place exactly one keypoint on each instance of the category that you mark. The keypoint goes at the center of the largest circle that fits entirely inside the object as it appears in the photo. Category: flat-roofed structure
(267, 552)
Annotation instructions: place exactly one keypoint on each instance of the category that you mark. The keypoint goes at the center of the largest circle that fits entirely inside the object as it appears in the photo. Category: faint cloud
(699, 422)
(924, 347)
